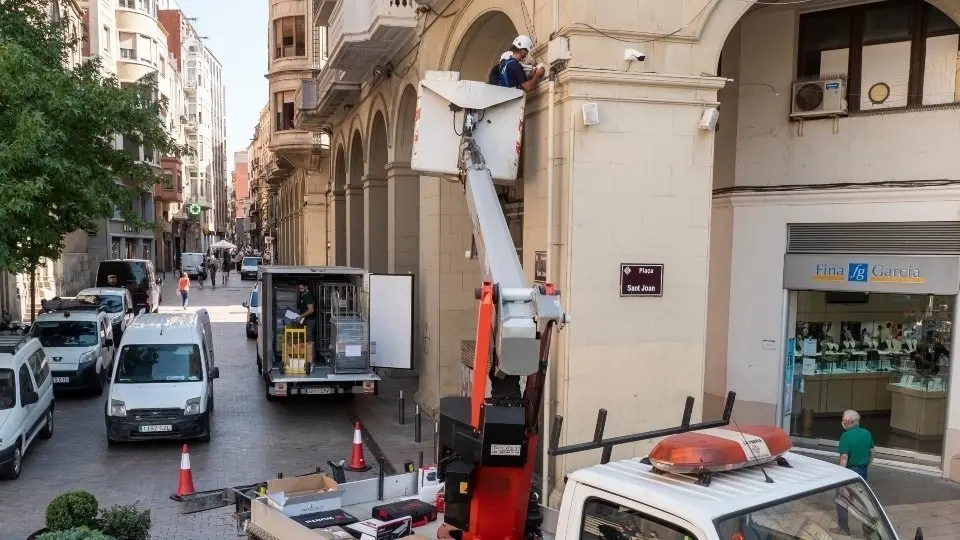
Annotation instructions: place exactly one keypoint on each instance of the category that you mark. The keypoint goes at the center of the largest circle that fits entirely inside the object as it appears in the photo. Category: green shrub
(125, 522)
(76, 533)
(70, 510)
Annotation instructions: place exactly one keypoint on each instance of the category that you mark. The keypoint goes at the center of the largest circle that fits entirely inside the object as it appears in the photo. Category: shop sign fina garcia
(920, 274)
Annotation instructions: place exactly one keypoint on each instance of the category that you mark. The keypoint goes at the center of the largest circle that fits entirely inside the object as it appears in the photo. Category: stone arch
(378, 105)
(404, 120)
(355, 201)
(376, 208)
(377, 142)
(720, 20)
(340, 166)
(480, 34)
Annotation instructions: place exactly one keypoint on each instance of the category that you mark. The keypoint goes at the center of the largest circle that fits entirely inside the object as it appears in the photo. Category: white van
(190, 263)
(77, 337)
(162, 381)
(26, 400)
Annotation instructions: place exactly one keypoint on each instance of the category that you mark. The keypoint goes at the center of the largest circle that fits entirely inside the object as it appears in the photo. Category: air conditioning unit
(813, 99)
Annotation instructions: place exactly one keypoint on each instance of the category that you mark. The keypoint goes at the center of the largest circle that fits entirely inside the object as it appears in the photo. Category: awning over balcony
(319, 100)
(322, 10)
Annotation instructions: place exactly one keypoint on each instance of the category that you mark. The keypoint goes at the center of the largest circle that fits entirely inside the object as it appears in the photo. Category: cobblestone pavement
(252, 440)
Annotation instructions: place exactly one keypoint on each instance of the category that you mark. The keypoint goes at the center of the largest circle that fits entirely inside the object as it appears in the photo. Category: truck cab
(362, 321)
(807, 499)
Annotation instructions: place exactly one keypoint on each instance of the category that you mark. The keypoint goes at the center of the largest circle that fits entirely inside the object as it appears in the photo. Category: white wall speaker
(709, 119)
(591, 114)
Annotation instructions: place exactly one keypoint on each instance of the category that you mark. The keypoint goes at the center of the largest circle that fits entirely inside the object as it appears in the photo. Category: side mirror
(159, 280)
(919, 535)
(244, 304)
(142, 311)
(108, 342)
(215, 373)
(30, 397)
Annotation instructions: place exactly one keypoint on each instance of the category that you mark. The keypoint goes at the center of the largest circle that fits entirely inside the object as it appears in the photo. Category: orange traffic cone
(357, 463)
(186, 477)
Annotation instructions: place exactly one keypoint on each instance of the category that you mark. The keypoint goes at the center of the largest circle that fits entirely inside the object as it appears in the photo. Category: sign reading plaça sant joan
(873, 273)
(641, 280)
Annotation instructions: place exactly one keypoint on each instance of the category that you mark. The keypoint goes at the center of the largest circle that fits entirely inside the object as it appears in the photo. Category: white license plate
(156, 428)
(61, 380)
(320, 390)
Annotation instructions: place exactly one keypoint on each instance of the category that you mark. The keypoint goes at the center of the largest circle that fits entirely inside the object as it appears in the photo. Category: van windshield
(65, 333)
(142, 363)
(122, 274)
(251, 261)
(8, 389)
(848, 511)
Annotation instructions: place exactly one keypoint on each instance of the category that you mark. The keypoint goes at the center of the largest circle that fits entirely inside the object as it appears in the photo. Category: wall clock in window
(878, 93)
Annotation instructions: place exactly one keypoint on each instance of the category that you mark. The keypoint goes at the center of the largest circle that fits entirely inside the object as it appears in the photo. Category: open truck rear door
(391, 320)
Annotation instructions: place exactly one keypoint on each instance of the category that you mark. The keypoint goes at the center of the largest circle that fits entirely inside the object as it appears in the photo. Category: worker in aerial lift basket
(510, 71)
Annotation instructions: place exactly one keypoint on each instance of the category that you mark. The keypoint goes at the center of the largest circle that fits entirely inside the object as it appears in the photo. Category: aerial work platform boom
(473, 130)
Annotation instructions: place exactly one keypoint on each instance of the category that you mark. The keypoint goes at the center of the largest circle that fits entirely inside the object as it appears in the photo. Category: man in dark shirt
(509, 72)
(306, 307)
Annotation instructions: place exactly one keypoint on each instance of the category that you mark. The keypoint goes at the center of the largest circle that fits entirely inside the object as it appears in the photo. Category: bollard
(401, 411)
(420, 459)
(416, 426)
(436, 442)
(380, 479)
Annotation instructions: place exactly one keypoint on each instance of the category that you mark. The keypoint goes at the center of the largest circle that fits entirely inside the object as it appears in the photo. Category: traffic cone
(357, 463)
(186, 477)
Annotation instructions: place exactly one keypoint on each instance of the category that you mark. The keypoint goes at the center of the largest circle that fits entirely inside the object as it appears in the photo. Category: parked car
(117, 302)
(253, 311)
(137, 276)
(77, 337)
(249, 267)
(162, 383)
(26, 400)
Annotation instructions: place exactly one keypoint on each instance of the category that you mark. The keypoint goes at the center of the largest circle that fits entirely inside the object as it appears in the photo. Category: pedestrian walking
(212, 265)
(184, 287)
(856, 453)
(226, 267)
(202, 273)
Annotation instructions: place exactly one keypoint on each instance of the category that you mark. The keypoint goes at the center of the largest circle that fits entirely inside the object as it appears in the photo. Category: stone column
(447, 317)
(354, 233)
(403, 222)
(337, 226)
(375, 223)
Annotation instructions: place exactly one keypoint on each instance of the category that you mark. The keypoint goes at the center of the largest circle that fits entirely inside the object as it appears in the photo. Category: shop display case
(919, 402)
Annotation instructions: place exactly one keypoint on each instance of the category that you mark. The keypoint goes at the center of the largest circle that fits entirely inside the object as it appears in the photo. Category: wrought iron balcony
(367, 33)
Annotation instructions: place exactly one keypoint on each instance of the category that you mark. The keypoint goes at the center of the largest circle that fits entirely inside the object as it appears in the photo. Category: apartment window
(129, 4)
(131, 147)
(284, 107)
(148, 154)
(163, 66)
(904, 50)
(106, 38)
(128, 46)
(290, 34)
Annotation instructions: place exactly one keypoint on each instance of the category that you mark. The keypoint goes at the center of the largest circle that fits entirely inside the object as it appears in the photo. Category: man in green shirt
(306, 307)
(856, 453)
(856, 445)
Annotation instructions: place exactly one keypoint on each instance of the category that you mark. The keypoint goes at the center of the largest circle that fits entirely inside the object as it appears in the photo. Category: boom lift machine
(488, 445)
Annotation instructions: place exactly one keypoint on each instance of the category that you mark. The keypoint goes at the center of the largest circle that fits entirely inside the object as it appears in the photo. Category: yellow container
(295, 351)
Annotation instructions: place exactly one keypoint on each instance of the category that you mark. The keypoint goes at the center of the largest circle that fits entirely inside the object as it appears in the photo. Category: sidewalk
(383, 433)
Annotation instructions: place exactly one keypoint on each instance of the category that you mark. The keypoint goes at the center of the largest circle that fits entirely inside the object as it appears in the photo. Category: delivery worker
(307, 308)
(512, 73)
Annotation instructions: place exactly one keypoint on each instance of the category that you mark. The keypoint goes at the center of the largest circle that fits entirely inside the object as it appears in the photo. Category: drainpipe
(569, 243)
(548, 384)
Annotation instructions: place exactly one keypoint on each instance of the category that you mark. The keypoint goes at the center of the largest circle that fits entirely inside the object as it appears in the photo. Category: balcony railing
(319, 100)
(367, 33)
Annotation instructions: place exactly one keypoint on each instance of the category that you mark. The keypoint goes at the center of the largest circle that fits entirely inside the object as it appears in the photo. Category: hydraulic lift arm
(488, 446)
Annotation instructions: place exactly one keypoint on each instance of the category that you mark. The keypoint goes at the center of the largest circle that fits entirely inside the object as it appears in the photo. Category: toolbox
(420, 512)
(321, 520)
(374, 529)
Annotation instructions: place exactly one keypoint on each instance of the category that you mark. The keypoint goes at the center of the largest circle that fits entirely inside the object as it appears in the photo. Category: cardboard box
(303, 494)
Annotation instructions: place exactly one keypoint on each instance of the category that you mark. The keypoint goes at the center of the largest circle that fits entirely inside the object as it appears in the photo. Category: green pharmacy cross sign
(193, 209)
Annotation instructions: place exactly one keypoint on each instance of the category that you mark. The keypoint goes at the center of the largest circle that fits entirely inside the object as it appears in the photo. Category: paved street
(252, 440)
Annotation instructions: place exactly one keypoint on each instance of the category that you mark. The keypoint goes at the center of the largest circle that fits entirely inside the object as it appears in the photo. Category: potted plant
(71, 510)
(76, 533)
(125, 522)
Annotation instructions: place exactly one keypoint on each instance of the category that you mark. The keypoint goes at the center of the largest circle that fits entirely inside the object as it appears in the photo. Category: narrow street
(253, 440)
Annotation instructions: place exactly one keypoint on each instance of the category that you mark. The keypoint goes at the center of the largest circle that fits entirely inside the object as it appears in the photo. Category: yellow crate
(294, 350)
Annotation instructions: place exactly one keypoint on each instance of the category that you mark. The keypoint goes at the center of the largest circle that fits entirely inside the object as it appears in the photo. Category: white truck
(362, 321)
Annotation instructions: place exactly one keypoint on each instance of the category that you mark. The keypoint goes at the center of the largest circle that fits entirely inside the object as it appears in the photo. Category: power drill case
(420, 512)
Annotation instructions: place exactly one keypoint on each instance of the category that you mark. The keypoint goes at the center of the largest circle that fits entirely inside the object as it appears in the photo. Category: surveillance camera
(634, 55)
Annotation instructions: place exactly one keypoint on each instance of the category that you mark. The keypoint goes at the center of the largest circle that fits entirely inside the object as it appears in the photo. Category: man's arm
(534, 79)
(843, 459)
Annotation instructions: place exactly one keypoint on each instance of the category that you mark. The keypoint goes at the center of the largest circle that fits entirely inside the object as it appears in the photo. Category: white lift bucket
(438, 127)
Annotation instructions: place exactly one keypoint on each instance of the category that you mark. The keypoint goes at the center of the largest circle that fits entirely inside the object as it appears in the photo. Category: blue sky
(237, 35)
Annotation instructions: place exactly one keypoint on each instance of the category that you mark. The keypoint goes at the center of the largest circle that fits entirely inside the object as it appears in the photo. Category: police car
(77, 337)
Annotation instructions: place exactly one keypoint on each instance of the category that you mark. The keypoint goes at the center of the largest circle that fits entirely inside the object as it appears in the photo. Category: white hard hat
(506, 55)
(523, 42)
